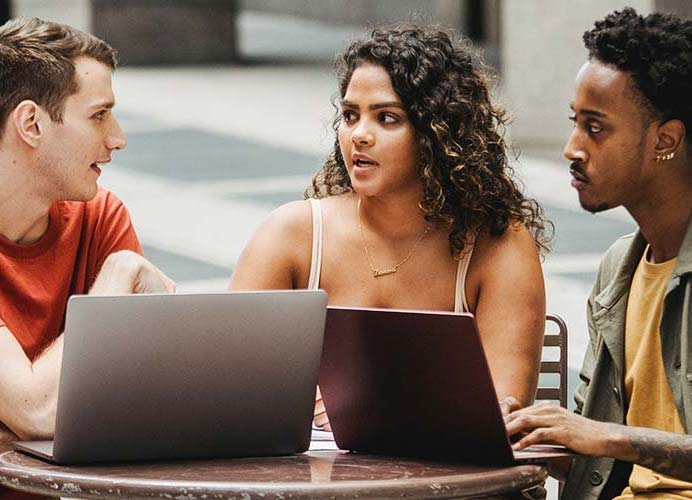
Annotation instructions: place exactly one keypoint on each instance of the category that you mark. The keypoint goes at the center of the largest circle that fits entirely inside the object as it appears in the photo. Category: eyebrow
(103, 104)
(379, 105)
(589, 112)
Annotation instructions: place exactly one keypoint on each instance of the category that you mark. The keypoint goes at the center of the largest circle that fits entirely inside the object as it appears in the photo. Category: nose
(574, 151)
(116, 139)
(362, 135)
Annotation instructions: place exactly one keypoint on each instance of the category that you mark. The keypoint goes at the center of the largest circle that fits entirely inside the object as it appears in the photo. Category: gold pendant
(376, 273)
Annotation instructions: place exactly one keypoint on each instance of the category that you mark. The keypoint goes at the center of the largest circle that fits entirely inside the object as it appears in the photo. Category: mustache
(577, 171)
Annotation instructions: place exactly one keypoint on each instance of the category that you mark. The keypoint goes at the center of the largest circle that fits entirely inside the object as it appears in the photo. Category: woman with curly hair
(416, 207)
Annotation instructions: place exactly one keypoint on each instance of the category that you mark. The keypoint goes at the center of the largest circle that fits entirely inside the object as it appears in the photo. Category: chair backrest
(557, 339)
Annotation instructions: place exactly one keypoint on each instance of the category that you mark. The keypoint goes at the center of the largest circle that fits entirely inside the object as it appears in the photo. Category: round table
(316, 474)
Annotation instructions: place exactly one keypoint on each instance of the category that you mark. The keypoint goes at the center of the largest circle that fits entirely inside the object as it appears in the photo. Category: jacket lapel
(610, 319)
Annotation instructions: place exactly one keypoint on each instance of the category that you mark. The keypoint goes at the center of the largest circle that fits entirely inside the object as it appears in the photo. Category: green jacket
(601, 393)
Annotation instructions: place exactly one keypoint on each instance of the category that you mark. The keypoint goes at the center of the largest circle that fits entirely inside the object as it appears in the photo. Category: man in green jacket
(632, 146)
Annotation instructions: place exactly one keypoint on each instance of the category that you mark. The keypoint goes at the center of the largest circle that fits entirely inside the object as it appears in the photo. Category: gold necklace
(376, 273)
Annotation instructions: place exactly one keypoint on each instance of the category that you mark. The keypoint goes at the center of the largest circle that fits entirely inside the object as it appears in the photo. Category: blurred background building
(530, 42)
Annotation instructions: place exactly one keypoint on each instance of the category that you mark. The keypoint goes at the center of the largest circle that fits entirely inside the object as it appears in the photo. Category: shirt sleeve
(116, 231)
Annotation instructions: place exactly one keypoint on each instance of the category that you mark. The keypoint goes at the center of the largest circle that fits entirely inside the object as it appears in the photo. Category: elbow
(34, 422)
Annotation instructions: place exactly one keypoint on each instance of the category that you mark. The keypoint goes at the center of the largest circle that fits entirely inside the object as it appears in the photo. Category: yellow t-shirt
(650, 398)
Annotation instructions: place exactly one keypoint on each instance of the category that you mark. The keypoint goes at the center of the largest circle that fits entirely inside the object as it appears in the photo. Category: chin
(85, 194)
(594, 208)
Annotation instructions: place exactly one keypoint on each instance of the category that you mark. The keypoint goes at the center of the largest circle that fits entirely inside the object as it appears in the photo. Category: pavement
(212, 150)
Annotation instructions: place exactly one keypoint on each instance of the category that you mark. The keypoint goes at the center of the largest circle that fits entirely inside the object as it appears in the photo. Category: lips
(578, 174)
(363, 161)
(95, 168)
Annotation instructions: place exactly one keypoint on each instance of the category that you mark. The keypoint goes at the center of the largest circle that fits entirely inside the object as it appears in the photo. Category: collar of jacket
(623, 275)
(610, 319)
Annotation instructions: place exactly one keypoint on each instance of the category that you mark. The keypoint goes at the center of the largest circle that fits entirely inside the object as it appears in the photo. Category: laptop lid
(411, 383)
(185, 376)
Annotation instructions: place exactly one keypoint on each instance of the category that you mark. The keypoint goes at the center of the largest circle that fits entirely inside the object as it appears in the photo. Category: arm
(665, 452)
(278, 257)
(278, 254)
(28, 390)
(510, 311)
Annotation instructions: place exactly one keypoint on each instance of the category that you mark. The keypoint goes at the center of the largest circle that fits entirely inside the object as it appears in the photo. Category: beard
(594, 208)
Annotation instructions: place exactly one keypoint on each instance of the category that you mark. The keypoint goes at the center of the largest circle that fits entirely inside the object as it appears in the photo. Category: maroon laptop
(414, 383)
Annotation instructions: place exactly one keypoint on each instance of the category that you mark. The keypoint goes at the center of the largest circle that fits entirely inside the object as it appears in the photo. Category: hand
(321, 419)
(508, 405)
(128, 272)
(547, 423)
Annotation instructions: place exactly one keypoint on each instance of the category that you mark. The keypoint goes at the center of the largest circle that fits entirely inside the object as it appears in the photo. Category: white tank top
(460, 304)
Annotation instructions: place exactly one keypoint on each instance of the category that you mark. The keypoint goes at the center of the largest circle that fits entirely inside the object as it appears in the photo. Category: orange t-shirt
(37, 279)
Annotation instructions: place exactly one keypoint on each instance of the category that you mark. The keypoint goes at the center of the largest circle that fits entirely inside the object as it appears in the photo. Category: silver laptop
(187, 376)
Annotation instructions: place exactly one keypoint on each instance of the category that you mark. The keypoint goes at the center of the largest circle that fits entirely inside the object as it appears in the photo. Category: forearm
(665, 452)
(28, 391)
(117, 275)
(6, 435)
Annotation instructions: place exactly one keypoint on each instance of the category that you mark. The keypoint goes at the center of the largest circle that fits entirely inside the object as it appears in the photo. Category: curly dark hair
(468, 184)
(656, 51)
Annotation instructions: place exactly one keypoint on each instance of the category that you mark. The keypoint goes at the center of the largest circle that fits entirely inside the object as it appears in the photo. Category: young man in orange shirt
(632, 146)
(60, 234)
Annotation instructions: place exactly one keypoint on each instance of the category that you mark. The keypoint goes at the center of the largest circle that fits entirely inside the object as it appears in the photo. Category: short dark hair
(656, 51)
(37, 63)
(468, 183)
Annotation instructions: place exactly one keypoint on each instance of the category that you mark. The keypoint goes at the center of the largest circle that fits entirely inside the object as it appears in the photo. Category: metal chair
(555, 339)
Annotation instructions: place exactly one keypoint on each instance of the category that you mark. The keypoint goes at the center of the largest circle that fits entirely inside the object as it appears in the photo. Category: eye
(348, 115)
(100, 115)
(594, 128)
(573, 118)
(388, 118)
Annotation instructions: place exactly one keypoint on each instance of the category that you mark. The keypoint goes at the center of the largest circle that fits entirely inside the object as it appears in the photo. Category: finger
(508, 405)
(321, 420)
(544, 408)
(319, 407)
(541, 435)
(527, 423)
(327, 427)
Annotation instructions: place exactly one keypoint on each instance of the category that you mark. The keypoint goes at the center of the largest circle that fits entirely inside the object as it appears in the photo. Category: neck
(663, 213)
(24, 211)
(394, 216)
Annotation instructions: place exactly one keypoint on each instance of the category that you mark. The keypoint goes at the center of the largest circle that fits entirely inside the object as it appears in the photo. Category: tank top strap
(316, 259)
(460, 303)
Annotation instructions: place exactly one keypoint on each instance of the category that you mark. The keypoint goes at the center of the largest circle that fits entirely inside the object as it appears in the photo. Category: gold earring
(667, 157)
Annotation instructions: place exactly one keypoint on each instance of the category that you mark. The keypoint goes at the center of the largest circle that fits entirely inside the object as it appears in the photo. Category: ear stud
(669, 156)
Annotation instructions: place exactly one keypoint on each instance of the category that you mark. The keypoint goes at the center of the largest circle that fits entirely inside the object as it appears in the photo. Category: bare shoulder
(278, 252)
(515, 243)
(293, 219)
(287, 229)
(512, 256)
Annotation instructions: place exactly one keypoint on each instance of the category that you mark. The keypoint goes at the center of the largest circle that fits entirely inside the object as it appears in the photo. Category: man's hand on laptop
(128, 272)
(321, 419)
(548, 423)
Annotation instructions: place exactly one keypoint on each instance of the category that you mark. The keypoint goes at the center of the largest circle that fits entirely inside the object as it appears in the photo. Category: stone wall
(541, 51)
